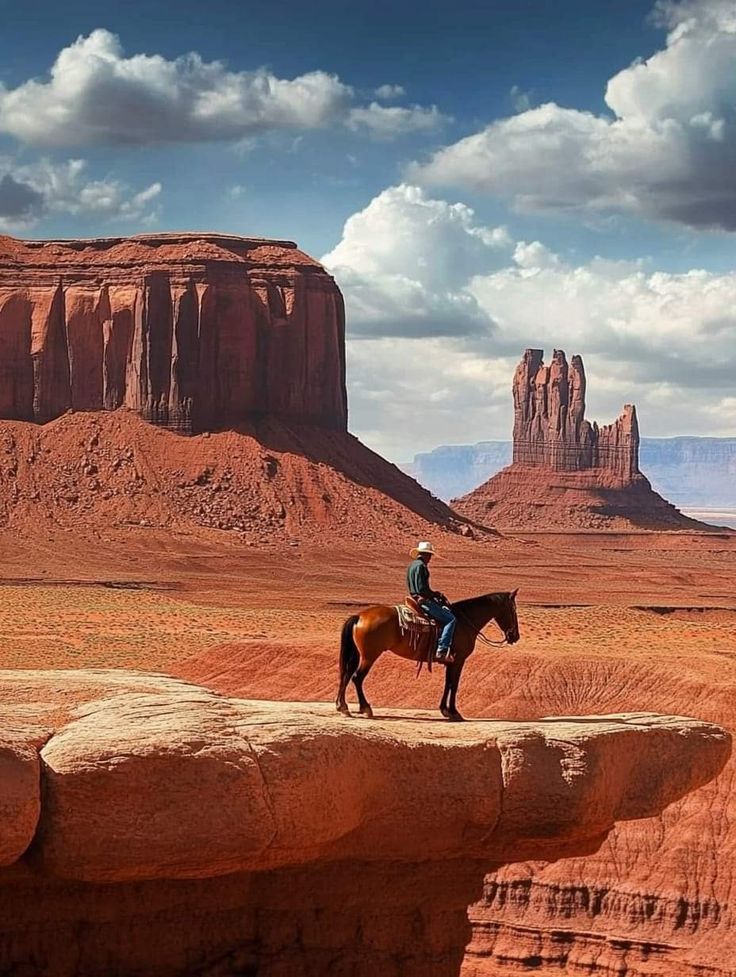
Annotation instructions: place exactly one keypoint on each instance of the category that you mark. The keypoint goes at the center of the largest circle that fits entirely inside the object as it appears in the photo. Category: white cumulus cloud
(440, 308)
(388, 93)
(648, 329)
(30, 192)
(404, 263)
(387, 122)
(96, 95)
(665, 151)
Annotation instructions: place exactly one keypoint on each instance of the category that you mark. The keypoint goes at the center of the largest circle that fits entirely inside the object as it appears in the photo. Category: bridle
(479, 634)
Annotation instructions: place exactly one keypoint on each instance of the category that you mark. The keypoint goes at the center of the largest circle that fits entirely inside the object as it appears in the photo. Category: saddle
(414, 613)
(421, 630)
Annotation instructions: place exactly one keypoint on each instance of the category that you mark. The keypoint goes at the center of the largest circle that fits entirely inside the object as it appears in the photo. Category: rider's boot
(444, 656)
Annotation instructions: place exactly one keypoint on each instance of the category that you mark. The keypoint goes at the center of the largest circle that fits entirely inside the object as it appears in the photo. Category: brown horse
(367, 635)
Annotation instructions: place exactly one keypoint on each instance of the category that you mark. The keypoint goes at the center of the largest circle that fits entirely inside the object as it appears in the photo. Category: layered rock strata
(153, 827)
(657, 899)
(192, 331)
(567, 472)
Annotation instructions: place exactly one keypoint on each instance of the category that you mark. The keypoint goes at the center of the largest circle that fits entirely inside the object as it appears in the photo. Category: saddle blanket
(408, 618)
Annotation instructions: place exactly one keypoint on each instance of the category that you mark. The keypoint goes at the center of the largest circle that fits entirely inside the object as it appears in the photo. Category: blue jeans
(445, 616)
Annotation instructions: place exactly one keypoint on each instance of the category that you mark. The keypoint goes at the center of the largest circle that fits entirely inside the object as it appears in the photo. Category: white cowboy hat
(423, 547)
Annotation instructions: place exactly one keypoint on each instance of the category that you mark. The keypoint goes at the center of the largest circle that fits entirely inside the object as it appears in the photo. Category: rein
(479, 634)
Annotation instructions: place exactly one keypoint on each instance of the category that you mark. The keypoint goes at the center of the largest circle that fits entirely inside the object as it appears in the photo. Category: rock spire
(550, 427)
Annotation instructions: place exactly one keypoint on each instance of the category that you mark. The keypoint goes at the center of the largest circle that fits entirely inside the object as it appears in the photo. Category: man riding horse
(432, 602)
(374, 630)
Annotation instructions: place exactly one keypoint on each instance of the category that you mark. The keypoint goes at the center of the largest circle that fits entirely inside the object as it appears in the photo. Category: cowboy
(432, 602)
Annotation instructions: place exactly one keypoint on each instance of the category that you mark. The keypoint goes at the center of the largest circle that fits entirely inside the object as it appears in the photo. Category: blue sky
(511, 174)
(465, 58)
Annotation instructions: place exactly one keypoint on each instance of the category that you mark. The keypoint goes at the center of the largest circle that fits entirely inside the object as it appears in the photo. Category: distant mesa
(190, 330)
(568, 473)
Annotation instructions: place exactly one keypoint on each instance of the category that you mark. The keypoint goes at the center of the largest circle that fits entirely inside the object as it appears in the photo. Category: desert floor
(609, 623)
(265, 622)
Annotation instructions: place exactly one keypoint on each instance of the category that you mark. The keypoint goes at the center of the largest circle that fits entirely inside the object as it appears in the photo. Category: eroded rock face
(192, 331)
(550, 428)
(657, 899)
(568, 473)
(180, 832)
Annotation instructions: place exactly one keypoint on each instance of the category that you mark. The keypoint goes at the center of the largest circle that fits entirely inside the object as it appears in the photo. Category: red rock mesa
(195, 333)
(191, 331)
(568, 473)
(550, 429)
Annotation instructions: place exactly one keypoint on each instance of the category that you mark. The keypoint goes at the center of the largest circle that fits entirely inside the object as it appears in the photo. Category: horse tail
(349, 655)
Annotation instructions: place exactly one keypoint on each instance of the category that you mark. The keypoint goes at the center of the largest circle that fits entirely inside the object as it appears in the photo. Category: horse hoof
(343, 710)
(367, 713)
(446, 713)
(455, 717)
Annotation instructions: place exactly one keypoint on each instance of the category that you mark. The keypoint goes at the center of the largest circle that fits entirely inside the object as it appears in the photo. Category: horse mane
(497, 598)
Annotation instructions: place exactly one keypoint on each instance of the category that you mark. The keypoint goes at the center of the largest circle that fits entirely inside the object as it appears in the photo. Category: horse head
(508, 619)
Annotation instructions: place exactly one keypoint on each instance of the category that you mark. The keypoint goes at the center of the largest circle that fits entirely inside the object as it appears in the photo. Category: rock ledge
(129, 778)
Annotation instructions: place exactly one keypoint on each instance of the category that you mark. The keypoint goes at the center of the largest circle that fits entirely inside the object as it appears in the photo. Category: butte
(568, 473)
(189, 380)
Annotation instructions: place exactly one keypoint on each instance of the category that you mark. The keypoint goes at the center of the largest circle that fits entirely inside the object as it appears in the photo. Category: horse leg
(444, 707)
(454, 671)
(365, 706)
(341, 702)
(349, 660)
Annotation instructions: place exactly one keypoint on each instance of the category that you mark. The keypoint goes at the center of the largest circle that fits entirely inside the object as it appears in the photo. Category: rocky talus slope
(264, 482)
(568, 473)
(150, 826)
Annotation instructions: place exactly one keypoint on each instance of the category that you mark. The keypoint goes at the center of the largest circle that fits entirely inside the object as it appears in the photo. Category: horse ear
(513, 594)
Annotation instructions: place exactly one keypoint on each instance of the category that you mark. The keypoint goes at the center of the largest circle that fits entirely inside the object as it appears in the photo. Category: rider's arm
(424, 589)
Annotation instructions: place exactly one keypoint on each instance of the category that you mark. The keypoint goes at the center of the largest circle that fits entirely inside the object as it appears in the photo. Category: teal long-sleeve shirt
(417, 579)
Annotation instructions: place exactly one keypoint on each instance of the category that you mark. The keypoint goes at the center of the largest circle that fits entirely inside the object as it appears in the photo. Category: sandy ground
(196, 605)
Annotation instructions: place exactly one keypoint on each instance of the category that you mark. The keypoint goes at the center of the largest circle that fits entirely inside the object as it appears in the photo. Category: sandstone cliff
(153, 827)
(237, 342)
(193, 331)
(566, 472)
(658, 899)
